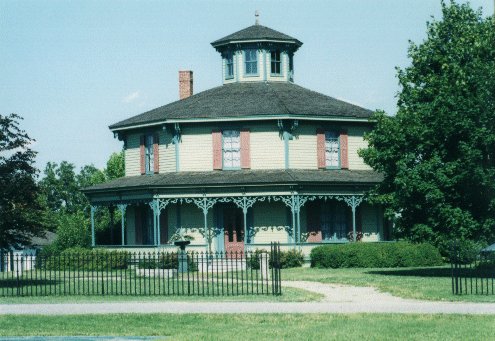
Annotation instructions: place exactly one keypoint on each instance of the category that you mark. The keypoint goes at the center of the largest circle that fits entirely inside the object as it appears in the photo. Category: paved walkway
(338, 299)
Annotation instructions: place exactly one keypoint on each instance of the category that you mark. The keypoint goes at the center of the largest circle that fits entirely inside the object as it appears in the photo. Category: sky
(72, 68)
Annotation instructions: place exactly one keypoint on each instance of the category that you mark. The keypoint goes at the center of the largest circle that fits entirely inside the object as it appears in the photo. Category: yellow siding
(302, 148)
(132, 154)
(357, 142)
(166, 152)
(196, 149)
(267, 148)
(273, 217)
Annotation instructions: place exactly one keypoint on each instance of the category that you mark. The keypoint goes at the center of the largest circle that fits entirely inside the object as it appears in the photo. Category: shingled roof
(256, 32)
(253, 100)
(240, 178)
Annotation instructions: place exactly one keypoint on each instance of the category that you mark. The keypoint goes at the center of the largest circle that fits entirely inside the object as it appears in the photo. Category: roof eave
(114, 128)
(217, 44)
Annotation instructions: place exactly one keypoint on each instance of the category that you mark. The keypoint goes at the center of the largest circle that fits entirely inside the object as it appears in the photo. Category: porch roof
(239, 178)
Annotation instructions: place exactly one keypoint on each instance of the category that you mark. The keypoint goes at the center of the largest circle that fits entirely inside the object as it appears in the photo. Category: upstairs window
(332, 150)
(231, 149)
(229, 65)
(275, 63)
(149, 158)
(251, 61)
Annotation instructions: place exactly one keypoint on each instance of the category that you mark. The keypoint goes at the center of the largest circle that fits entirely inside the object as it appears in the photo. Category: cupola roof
(256, 33)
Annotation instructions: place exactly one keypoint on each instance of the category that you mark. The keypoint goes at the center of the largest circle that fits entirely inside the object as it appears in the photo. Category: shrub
(288, 259)
(78, 258)
(166, 260)
(291, 259)
(375, 255)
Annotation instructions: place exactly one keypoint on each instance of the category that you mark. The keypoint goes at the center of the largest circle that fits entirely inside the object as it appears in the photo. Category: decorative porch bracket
(205, 204)
(244, 203)
(353, 201)
(122, 208)
(93, 210)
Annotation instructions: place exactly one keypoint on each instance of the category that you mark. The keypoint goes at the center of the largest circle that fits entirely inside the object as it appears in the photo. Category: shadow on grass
(14, 283)
(418, 272)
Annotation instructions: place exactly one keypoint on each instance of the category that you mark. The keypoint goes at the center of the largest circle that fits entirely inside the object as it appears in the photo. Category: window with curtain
(332, 150)
(333, 221)
(231, 149)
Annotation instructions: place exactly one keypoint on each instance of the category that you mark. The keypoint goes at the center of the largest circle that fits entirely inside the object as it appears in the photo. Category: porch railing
(143, 274)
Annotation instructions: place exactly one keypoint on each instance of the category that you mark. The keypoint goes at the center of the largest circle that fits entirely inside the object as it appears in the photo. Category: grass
(432, 283)
(257, 326)
(288, 295)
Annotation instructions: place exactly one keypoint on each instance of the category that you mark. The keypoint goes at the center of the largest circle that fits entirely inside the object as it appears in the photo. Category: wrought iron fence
(146, 273)
(472, 273)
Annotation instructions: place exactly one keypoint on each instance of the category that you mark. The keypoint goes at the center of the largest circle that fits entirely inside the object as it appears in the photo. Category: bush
(78, 258)
(291, 259)
(288, 259)
(375, 255)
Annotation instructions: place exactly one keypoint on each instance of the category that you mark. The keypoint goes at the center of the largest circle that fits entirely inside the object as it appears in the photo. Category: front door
(233, 231)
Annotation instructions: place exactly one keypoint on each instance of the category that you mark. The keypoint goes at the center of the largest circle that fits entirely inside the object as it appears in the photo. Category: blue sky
(71, 68)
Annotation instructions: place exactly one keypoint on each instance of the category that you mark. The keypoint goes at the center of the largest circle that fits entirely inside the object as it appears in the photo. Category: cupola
(257, 54)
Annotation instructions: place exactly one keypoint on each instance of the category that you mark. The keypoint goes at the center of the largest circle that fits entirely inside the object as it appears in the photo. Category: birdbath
(182, 244)
(182, 254)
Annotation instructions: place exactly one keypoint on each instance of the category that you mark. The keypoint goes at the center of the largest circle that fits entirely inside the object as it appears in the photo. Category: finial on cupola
(257, 16)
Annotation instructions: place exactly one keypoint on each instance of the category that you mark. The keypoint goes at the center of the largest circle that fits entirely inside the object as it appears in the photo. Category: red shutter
(320, 148)
(344, 158)
(245, 149)
(142, 155)
(217, 149)
(156, 154)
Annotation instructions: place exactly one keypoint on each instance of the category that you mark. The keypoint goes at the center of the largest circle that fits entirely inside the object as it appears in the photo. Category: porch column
(93, 210)
(122, 208)
(353, 201)
(293, 210)
(156, 221)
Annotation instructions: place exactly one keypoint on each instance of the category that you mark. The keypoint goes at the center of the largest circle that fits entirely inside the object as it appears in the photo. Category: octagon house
(255, 160)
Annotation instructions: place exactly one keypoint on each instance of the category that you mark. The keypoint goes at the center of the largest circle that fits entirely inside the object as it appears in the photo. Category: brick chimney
(185, 84)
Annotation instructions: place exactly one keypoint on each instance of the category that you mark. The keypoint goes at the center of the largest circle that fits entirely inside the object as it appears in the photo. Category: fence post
(264, 268)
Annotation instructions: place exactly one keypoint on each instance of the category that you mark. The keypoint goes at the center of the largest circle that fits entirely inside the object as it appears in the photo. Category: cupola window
(251, 62)
(275, 63)
(229, 65)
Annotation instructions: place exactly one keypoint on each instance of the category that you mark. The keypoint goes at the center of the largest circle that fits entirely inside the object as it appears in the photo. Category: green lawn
(433, 283)
(258, 326)
(288, 295)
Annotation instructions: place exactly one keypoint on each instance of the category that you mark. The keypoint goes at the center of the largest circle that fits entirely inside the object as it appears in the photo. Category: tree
(115, 166)
(69, 207)
(438, 153)
(22, 211)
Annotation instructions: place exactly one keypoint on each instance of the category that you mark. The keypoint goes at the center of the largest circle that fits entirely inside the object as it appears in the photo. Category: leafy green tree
(22, 211)
(438, 153)
(115, 166)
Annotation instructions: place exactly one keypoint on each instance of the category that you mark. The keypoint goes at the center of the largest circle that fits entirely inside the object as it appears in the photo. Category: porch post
(293, 210)
(298, 225)
(156, 221)
(205, 204)
(244, 211)
(122, 208)
(93, 210)
(353, 201)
